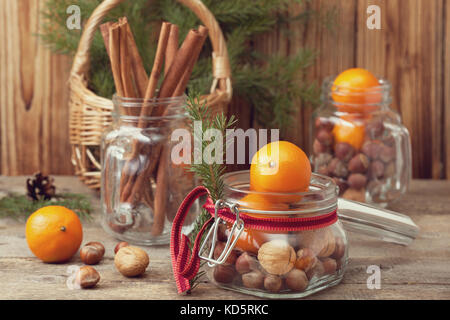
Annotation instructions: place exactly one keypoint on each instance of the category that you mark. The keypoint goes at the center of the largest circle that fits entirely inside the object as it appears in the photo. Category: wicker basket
(90, 114)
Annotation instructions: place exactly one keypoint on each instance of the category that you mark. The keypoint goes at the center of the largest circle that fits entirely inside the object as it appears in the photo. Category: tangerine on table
(280, 167)
(356, 86)
(54, 233)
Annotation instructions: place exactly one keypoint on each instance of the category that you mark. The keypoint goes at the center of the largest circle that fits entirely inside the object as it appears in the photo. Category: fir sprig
(18, 206)
(210, 174)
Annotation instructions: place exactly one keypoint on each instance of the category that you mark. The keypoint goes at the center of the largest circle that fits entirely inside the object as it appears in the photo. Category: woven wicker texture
(90, 114)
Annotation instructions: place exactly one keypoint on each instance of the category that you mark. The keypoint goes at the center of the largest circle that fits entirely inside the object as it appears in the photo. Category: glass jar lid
(321, 197)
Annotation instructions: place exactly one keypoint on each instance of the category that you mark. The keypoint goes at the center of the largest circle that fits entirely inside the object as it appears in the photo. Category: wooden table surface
(419, 271)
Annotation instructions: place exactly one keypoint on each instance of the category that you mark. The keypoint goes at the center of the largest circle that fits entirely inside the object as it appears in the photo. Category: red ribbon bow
(185, 265)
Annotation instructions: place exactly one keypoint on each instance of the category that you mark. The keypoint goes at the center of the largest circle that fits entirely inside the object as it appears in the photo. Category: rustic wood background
(412, 50)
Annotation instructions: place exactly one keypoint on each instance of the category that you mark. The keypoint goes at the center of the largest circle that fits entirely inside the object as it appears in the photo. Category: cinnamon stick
(104, 30)
(114, 49)
(161, 193)
(181, 87)
(137, 66)
(138, 73)
(193, 40)
(172, 47)
(128, 185)
(125, 63)
(162, 175)
(183, 57)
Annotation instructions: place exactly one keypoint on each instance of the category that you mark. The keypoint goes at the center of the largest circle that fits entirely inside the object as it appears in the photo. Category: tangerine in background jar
(359, 141)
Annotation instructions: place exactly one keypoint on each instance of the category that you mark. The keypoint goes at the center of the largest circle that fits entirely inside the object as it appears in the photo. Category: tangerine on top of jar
(355, 87)
(281, 167)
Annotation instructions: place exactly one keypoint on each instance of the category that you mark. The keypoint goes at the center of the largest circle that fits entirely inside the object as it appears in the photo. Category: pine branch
(19, 206)
(209, 173)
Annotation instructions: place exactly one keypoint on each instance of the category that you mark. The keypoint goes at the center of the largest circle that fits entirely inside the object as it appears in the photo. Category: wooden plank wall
(33, 96)
(412, 50)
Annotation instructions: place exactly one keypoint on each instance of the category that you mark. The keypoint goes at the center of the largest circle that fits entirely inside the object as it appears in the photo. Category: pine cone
(41, 187)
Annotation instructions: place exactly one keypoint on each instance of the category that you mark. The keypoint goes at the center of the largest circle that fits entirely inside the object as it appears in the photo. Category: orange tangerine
(54, 233)
(349, 132)
(355, 87)
(280, 167)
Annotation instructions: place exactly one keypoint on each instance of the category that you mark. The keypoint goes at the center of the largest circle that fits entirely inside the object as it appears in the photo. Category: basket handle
(221, 63)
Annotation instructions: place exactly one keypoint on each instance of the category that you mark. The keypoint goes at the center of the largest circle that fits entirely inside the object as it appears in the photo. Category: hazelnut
(317, 271)
(374, 187)
(329, 266)
(357, 181)
(120, 245)
(87, 277)
(358, 164)
(246, 263)
(342, 184)
(222, 232)
(324, 124)
(355, 195)
(389, 170)
(92, 252)
(296, 280)
(375, 128)
(339, 250)
(277, 257)
(306, 259)
(338, 168)
(253, 280)
(325, 137)
(372, 148)
(273, 283)
(389, 141)
(323, 170)
(319, 147)
(344, 151)
(220, 246)
(387, 154)
(223, 274)
(376, 170)
(131, 261)
(322, 159)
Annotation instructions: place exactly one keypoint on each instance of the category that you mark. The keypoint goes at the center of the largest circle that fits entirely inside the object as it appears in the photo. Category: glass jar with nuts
(277, 245)
(360, 142)
(282, 251)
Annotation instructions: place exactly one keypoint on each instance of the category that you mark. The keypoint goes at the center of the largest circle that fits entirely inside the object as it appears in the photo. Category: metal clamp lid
(238, 226)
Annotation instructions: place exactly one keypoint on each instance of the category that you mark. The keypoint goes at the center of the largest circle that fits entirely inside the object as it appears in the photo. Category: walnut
(277, 257)
(131, 261)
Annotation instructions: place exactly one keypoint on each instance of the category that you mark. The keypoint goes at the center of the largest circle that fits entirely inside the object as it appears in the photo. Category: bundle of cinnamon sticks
(131, 81)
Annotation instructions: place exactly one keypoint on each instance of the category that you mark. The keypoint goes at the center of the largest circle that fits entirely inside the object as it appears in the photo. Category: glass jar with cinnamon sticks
(141, 186)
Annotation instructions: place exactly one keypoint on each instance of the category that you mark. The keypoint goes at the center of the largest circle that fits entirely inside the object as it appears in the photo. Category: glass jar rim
(177, 105)
(322, 195)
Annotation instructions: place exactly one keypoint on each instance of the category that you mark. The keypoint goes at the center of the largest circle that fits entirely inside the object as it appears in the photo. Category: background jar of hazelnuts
(304, 254)
(359, 141)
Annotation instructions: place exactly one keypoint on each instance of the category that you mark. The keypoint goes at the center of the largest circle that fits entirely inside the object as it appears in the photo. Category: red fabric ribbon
(185, 265)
